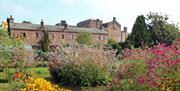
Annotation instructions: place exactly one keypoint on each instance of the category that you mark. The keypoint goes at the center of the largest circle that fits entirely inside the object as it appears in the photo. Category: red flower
(141, 80)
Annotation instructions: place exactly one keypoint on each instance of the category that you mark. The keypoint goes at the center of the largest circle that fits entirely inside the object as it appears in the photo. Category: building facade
(113, 28)
(62, 33)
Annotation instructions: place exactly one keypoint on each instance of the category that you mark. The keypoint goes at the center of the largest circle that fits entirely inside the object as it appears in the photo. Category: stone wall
(32, 37)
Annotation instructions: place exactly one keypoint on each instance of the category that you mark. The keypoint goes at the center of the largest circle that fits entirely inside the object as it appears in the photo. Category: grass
(38, 72)
(5, 87)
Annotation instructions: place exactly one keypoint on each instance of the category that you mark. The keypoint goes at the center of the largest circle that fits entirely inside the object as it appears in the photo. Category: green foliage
(113, 44)
(130, 85)
(45, 42)
(82, 75)
(12, 54)
(140, 35)
(84, 38)
(7, 47)
(162, 31)
(42, 56)
(40, 64)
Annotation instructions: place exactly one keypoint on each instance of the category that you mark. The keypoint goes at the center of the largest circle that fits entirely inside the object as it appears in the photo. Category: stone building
(62, 33)
(113, 28)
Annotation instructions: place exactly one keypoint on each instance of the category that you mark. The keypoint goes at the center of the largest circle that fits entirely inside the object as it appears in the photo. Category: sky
(73, 11)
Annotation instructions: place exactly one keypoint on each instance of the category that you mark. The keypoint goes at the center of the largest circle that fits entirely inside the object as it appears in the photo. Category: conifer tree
(140, 35)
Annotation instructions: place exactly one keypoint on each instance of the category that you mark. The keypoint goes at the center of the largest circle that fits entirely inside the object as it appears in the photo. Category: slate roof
(30, 26)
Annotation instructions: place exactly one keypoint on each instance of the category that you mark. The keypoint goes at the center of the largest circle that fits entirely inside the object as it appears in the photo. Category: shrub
(157, 66)
(80, 54)
(162, 67)
(82, 65)
(114, 45)
(81, 75)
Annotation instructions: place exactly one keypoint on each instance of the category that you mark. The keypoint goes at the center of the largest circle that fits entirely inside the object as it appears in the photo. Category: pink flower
(163, 45)
(141, 80)
(178, 52)
(155, 65)
(176, 62)
(151, 70)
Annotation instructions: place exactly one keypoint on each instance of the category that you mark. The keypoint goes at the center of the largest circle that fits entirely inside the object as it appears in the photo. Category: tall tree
(140, 35)
(45, 42)
(162, 31)
(84, 38)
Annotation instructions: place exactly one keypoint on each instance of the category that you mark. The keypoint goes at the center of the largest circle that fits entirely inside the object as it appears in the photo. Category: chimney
(42, 23)
(114, 18)
(10, 20)
(125, 29)
(63, 23)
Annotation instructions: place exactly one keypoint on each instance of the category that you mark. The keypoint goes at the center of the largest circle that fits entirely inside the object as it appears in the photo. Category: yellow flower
(4, 25)
(40, 84)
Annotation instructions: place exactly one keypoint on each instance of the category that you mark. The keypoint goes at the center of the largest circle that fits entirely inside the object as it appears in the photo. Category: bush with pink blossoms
(162, 68)
(157, 66)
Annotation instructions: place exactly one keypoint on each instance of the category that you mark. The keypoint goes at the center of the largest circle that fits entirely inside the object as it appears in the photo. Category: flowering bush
(162, 68)
(79, 54)
(157, 66)
(82, 65)
(40, 84)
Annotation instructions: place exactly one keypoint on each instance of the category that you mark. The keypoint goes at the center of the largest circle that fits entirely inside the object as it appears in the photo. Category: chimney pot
(11, 19)
(125, 29)
(42, 23)
(114, 18)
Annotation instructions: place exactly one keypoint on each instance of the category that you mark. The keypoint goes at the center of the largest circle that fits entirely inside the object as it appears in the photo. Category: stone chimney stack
(114, 20)
(125, 29)
(10, 20)
(63, 23)
(42, 23)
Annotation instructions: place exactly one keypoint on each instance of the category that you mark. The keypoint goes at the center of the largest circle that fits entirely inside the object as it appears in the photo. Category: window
(71, 36)
(62, 36)
(37, 35)
(102, 37)
(23, 34)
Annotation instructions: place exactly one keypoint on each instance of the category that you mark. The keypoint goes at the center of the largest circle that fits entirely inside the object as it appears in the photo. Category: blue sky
(73, 11)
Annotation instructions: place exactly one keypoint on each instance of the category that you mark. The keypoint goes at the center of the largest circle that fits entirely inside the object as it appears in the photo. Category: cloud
(15, 9)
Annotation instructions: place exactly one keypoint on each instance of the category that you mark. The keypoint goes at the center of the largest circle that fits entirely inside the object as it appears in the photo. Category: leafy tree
(45, 42)
(140, 35)
(162, 31)
(84, 38)
(115, 45)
